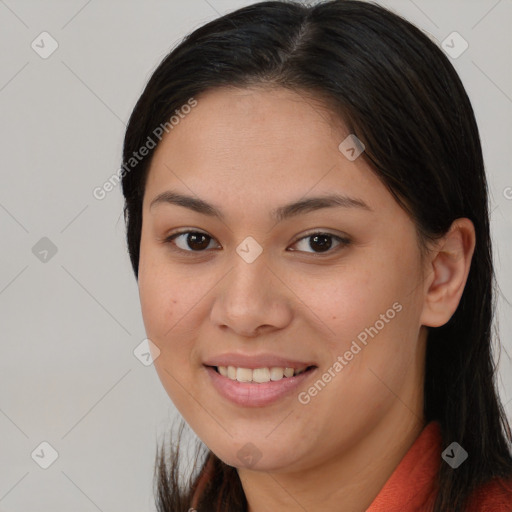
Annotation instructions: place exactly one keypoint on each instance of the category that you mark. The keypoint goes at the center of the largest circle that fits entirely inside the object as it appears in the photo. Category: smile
(259, 375)
(257, 387)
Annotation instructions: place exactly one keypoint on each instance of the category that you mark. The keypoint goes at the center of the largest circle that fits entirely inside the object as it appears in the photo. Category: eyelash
(343, 242)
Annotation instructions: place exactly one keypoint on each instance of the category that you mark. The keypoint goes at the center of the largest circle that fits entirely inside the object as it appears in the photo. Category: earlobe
(449, 266)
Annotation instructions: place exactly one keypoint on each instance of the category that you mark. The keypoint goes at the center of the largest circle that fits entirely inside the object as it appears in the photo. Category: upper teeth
(259, 374)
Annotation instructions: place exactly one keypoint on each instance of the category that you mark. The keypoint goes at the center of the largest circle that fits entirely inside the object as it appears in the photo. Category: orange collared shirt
(411, 487)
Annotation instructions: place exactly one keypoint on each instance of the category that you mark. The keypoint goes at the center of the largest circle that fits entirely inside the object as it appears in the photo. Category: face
(312, 311)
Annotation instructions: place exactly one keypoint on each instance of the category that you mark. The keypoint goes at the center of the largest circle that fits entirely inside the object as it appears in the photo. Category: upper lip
(256, 361)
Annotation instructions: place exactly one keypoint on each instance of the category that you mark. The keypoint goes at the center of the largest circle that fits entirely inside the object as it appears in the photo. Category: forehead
(264, 141)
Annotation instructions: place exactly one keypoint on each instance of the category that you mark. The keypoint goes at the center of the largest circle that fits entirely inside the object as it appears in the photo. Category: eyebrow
(279, 214)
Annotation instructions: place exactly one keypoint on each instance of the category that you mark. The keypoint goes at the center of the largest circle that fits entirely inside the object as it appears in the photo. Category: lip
(251, 394)
(256, 361)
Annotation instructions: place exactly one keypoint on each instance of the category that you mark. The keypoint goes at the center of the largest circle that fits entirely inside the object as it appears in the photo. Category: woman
(307, 218)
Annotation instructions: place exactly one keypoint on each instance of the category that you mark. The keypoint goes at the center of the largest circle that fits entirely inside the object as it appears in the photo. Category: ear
(448, 269)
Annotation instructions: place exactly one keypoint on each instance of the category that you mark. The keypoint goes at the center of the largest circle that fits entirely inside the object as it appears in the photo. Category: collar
(411, 485)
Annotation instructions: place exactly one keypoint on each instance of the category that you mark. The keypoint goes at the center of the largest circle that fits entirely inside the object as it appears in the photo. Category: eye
(197, 241)
(321, 241)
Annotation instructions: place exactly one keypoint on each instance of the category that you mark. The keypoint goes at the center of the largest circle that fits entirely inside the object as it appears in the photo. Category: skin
(248, 151)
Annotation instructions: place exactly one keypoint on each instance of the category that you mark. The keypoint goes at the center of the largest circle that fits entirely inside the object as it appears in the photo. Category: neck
(348, 481)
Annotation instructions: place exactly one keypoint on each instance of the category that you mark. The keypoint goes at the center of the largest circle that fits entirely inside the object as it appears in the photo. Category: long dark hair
(399, 94)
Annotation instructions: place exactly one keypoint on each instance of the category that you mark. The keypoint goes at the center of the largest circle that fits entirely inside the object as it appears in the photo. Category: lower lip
(250, 394)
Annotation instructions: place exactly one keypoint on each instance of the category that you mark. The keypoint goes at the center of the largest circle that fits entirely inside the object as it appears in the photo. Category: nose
(252, 300)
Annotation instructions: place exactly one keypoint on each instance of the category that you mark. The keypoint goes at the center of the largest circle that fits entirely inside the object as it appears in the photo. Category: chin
(255, 455)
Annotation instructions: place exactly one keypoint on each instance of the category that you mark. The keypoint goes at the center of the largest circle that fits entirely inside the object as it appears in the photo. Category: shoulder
(493, 496)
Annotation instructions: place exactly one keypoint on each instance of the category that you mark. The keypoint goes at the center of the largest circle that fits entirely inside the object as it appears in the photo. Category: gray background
(70, 324)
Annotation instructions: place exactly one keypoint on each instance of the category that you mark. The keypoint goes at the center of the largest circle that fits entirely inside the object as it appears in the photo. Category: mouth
(258, 387)
(260, 375)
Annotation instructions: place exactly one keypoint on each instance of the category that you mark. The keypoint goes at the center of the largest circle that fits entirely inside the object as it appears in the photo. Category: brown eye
(321, 242)
(191, 241)
(197, 241)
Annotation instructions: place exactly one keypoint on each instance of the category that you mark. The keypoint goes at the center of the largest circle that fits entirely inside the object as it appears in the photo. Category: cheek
(368, 313)
(162, 292)
(162, 305)
(158, 304)
(353, 297)
(173, 310)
